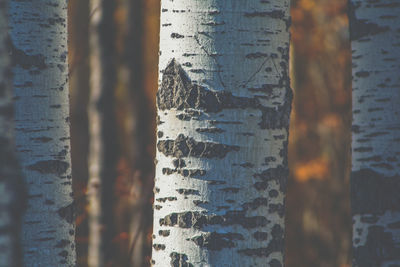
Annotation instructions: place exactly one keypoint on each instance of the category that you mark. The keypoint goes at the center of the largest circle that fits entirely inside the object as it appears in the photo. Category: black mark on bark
(159, 246)
(42, 139)
(67, 213)
(164, 199)
(179, 163)
(274, 263)
(378, 248)
(210, 130)
(362, 74)
(50, 166)
(19, 57)
(278, 174)
(359, 27)
(179, 260)
(260, 236)
(184, 172)
(186, 192)
(198, 220)
(276, 14)
(278, 208)
(217, 241)
(275, 245)
(187, 147)
(164, 232)
(176, 35)
(62, 243)
(256, 203)
(372, 192)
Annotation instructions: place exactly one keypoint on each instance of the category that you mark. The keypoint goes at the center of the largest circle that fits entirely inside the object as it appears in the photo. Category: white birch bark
(39, 37)
(103, 141)
(375, 181)
(223, 113)
(11, 189)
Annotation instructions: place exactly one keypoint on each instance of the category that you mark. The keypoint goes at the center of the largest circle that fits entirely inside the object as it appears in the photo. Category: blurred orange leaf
(313, 169)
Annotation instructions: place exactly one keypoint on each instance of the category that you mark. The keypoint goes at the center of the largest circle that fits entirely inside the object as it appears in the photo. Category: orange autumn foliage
(314, 169)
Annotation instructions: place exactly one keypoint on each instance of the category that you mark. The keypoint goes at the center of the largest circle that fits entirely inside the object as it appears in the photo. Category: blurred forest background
(318, 222)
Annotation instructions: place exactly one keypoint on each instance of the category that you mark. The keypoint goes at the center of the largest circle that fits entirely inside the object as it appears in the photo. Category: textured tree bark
(375, 181)
(102, 148)
(39, 50)
(11, 185)
(223, 113)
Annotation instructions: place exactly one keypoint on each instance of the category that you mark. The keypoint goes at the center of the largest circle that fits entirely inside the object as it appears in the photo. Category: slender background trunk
(140, 116)
(223, 116)
(11, 186)
(102, 127)
(78, 42)
(375, 180)
(39, 50)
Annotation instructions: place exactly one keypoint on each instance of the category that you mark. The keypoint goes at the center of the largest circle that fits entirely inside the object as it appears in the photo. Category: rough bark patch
(197, 220)
(184, 172)
(216, 241)
(372, 192)
(184, 146)
(177, 91)
(378, 248)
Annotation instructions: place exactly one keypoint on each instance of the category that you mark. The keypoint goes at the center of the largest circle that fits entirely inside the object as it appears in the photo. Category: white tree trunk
(39, 37)
(375, 182)
(11, 189)
(103, 142)
(223, 113)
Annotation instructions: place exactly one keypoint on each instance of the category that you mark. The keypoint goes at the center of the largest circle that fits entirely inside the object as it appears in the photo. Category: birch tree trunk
(11, 189)
(39, 37)
(102, 148)
(223, 113)
(375, 181)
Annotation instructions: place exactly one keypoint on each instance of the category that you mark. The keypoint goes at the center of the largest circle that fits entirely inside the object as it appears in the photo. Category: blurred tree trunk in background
(39, 37)
(78, 13)
(375, 180)
(102, 132)
(318, 224)
(223, 116)
(139, 117)
(11, 185)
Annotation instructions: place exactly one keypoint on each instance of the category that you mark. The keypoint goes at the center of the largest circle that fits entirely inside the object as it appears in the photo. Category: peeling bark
(102, 132)
(375, 181)
(39, 51)
(223, 103)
